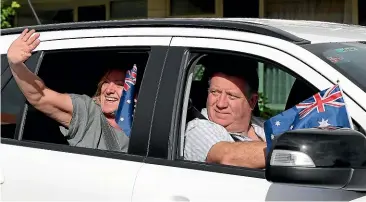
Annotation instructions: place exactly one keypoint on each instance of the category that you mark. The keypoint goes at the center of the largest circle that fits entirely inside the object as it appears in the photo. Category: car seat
(300, 91)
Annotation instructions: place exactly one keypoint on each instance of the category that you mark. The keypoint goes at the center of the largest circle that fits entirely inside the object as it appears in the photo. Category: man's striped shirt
(202, 134)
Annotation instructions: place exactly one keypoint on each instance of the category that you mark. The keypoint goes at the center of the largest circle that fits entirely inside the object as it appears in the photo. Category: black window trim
(32, 63)
(223, 169)
(5, 77)
(21, 119)
(6, 64)
(149, 84)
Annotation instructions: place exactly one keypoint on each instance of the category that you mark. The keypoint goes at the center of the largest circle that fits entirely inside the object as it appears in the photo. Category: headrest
(300, 91)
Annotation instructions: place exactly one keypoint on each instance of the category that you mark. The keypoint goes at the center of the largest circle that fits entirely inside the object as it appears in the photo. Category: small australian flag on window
(325, 109)
(124, 115)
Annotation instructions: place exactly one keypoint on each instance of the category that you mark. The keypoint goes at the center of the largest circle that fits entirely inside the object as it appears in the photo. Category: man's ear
(253, 100)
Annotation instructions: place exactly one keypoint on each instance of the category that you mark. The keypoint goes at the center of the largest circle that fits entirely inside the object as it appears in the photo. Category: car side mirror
(323, 158)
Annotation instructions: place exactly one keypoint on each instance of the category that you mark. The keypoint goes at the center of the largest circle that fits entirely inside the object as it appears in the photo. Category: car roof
(296, 31)
(314, 31)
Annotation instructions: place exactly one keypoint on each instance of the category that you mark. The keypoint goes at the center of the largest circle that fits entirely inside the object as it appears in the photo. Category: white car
(295, 59)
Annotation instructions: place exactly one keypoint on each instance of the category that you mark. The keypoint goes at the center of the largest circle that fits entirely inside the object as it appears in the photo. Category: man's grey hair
(243, 68)
(248, 90)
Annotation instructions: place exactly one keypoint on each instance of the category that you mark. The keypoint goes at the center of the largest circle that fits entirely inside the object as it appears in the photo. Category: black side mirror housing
(324, 158)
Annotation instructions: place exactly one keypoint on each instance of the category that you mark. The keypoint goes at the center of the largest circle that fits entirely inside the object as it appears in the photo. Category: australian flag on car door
(324, 109)
(126, 105)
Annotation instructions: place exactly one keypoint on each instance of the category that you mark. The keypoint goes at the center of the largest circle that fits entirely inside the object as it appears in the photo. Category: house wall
(157, 8)
(343, 11)
(346, 11)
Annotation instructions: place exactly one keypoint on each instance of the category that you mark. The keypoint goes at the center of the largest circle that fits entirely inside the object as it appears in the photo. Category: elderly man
(229, 135)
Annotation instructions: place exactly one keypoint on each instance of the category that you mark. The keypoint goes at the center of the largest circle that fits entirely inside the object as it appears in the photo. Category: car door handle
(179, 198)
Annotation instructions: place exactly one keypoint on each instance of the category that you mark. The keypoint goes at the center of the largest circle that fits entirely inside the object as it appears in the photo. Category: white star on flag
(323, 123)
(278, 123)
(128, 101)
(122, 119)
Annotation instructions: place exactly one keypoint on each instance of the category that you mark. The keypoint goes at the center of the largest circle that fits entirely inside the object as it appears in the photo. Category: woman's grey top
(85, 128)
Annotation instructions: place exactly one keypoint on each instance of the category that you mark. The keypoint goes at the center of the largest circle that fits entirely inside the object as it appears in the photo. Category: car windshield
(347, 58)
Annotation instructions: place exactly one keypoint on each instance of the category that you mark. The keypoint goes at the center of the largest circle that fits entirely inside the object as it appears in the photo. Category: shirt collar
(256, 122)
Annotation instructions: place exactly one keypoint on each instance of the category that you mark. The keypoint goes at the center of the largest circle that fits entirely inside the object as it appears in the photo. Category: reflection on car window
(12, 101)
(347, 58)
(4, 63)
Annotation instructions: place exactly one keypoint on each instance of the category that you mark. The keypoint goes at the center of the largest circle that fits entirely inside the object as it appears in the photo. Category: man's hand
(21, 48)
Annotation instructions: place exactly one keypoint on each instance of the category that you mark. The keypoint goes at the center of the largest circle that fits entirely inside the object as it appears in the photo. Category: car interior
(199, 92)
(199, 89)
(300, 91)
(75, 72)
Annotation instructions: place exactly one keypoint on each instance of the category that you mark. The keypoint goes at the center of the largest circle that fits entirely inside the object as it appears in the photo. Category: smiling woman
(70, 104)
(95, 96)
(109, 90)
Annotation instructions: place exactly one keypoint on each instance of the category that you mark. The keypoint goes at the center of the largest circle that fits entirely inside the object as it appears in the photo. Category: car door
(37, 162)
(165, 176)
(12, 103)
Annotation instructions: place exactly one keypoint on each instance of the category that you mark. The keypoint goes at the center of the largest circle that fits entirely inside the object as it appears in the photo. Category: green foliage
(7, 12)
(265, 112)
(198, 72)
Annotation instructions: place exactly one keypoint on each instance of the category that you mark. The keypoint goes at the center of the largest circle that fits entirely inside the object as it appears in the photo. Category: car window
(4, 63)
(274, 85)
(12, 99)
(12, 103)
(348, 58)
(278, 89)
(79, 71)
(274, 88)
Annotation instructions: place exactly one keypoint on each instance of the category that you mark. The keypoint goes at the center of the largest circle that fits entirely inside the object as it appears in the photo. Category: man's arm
(56, 105)
(200, 136)
(243, 154)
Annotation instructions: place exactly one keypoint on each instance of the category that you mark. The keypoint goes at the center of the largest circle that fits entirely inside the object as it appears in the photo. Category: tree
(265, 111)
(7, 12)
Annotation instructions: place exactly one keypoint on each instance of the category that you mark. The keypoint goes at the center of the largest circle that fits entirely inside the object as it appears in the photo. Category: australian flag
(325, 109)
(126, 105)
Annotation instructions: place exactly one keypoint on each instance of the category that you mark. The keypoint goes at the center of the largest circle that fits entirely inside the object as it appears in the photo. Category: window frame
(6, 77)
(126, 17)
(171, 8)
(165, 136)
(4, 63)
(148, 89)
(218, 11)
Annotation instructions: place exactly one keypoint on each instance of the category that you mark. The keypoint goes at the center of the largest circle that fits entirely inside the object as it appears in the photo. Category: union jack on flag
(325, 109)
(124, 115)
(331, 97)
(130, 78)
